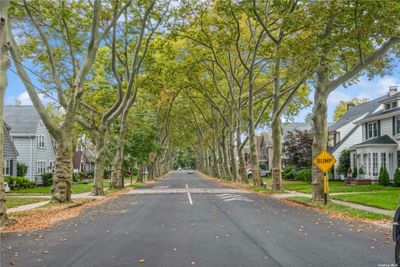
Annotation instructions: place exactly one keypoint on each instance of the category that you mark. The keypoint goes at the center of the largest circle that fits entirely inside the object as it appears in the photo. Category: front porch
(370, 156)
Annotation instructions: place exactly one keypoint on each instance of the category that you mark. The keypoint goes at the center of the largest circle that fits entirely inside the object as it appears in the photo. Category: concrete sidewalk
(339, 202)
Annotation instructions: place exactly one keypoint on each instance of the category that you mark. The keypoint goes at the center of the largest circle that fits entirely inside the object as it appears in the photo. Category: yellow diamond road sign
(324, 161)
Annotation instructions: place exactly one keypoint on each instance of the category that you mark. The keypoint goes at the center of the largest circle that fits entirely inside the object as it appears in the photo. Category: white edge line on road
(188, 193)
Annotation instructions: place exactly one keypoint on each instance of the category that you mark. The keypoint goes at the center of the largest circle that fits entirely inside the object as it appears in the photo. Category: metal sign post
(325, 161)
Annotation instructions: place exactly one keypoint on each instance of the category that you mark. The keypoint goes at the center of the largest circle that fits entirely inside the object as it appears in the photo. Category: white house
(31, 139)
(380, 138)
(345, 132)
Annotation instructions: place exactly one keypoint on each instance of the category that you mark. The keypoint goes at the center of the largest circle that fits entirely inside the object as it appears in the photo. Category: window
(373, 129)
(383, 160)
(369, 130)
(51, 166)
(40, 139)
(41, 167)
(394, 104)
(375, 164)
(7, 167)
(391, 161)
(387, 106)
(364, 163)
(369, 164)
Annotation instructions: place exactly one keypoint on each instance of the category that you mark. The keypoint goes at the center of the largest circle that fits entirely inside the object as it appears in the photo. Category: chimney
(350, 106)
(392, 90)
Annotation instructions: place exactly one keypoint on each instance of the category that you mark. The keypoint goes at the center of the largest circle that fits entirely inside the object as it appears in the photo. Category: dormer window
(372, 130)
(387, 106)
(394, 104)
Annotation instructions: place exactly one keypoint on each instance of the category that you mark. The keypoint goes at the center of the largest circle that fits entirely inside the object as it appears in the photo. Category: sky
(363, 89)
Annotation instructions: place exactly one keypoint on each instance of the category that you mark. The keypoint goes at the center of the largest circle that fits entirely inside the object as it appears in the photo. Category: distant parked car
(263, 173)
(190, 171)
(6, 187)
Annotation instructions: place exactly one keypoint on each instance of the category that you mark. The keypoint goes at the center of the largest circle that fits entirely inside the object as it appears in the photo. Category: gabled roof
(357, 111)
(293, 126)
(7, 129)
(383, 140)
(23, 120)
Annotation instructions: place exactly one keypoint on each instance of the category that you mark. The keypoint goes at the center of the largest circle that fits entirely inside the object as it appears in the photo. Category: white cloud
(336, 96)
(24, 99)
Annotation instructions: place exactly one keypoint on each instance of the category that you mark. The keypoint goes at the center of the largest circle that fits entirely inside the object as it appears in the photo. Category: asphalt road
(210, 226)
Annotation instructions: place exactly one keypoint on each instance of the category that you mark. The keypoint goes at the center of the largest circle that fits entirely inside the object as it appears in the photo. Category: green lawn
(46, 190)
(343, 209)
(12, 202)
(335, 187)
(387, 200)
(137, 184)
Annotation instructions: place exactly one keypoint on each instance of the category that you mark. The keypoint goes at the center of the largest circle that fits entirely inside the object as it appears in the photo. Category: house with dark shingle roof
(379, 134)
(345, 133)
(10, 153)
(31, 139)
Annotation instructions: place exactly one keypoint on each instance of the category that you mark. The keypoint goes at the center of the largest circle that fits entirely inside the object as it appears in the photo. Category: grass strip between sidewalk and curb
(340, 210)
(236, 185)
(12, 202)
(387, 200)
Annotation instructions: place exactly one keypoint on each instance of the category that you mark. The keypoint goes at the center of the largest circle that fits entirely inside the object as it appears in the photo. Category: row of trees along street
(144, 79)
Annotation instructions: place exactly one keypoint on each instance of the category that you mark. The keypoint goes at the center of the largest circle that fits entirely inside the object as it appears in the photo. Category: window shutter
(393, 126)
(379, 128)
(366, 131)
(11, 167)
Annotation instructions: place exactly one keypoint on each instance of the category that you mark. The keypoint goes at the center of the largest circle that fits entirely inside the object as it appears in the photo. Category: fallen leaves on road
(141, 261)
(50, 214)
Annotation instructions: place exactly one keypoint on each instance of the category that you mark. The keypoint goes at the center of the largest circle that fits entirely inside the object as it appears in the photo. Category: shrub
(107, 174)
(135, 171)
(289, 173)
(47, 178)
(361, 171)
(22, 169)
(305, 174)
(16, 182)
(354, 173)
(384, 177)
(396, 178)
(344, 162)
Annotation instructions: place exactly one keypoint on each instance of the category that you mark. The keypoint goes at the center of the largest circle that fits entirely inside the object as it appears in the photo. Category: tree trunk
(140, 174)
(228, 174)
(254, 157)
(234, 165)
(4, 65)
(277, 154)
(221, 164)
(62, 181)
(320, 139)
(215, 166)
(97, 189)
(117, 170)
(242, 167)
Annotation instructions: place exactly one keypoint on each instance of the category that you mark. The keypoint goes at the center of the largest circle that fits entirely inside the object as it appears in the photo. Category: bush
(135, 171)
(289, 173)
(396, 178)
(344, 162)
(16, 182)
(47, 178)
(361, 171)
(22, 169)
(107, 174)
(354, 174)
(305, 175)
(384, 177)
